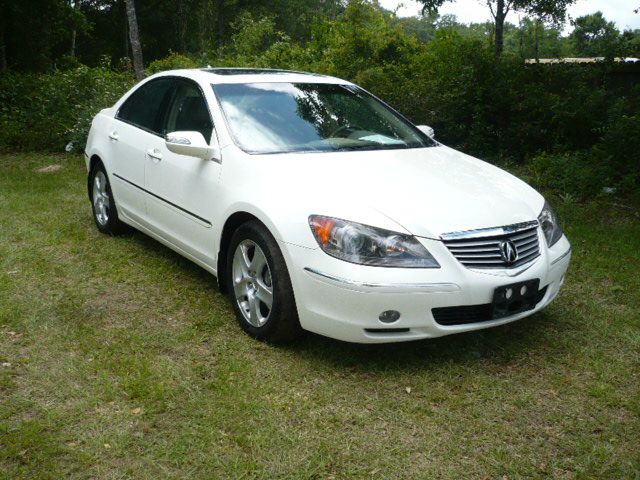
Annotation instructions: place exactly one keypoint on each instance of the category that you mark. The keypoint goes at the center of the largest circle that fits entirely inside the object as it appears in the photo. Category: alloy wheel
(252, 283)
(101, 201)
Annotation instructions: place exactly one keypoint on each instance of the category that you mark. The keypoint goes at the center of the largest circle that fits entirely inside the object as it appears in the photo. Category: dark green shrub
(173, 61)
(46, 111)
(576, 174)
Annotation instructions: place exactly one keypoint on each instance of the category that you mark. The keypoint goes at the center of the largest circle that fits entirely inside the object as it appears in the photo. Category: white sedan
(318, 207)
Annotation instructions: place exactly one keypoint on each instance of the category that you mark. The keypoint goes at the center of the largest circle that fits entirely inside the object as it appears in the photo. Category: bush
(569, 173)
(173, 61)
(575, 129)
(46, 111)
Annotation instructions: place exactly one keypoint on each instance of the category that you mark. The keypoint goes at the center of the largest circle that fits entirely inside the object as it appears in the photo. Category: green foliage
(253, 37)
(594, 36)
(44, 112)
(555, 9)
(568, 118)
(173, 61)
(568, 173)
(37, 33)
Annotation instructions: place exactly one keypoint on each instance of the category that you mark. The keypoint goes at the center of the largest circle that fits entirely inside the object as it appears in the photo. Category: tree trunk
(72, 50)
(537, 43)
(220, 13)
(499, 18)
(3, 48)
(136, 48)
(3, 56)
(181, 25)
(204, 27)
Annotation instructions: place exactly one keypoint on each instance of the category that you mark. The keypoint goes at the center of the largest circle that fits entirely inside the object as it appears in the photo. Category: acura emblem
(508, 252)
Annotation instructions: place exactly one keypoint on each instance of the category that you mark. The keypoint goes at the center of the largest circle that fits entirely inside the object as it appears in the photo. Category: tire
(255, 265)
(103, 205)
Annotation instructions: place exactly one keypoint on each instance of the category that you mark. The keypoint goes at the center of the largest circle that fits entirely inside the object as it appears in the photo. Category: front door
(182, 188)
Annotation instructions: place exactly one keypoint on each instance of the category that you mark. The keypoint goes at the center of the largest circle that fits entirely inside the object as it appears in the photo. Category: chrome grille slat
(521, 235)
(481, 248)
(475, 243)
(526, 251)
(531, 241)
(478, 255)
(529, 255)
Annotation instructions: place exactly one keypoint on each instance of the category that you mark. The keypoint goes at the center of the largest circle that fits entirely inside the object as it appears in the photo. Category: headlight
(550, 224)
(365, 245)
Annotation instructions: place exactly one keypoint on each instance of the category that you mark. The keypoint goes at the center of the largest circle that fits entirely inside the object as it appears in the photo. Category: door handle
(154, 153)
(114, 136)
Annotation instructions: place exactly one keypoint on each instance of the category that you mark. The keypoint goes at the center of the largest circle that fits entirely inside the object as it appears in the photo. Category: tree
(630, 43)
(33, 41)
(544, 9)
(136, 48)
(594, 36)
(534, 38)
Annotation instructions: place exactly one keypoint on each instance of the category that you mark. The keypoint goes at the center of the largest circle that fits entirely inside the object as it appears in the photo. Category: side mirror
(427, 130)
(192, 144)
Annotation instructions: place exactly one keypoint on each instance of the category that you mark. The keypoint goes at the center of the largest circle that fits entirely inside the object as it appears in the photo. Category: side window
(146, 106)
(189, 111)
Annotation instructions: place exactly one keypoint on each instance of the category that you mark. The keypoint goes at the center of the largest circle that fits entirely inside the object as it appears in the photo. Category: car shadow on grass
(525, 339)
(502, 345)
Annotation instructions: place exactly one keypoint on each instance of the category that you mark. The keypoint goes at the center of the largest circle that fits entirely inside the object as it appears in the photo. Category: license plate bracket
(515, 298)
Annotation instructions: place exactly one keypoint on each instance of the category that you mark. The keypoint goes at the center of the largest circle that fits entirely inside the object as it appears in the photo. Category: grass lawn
(120, 359)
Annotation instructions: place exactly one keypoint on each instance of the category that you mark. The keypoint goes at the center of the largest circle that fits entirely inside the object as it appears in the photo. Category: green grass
(121, 360)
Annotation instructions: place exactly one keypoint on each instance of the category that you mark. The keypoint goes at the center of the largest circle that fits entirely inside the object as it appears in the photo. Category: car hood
(427, 191)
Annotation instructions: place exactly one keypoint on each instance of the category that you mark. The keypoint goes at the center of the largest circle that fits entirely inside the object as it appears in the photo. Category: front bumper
(344, 301)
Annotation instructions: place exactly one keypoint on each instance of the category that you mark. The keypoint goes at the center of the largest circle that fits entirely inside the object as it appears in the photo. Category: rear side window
(146, 106)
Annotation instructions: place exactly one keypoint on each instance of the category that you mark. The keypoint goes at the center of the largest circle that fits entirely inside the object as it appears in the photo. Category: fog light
(389, 316)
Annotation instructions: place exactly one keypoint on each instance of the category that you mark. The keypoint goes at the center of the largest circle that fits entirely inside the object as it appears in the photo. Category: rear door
(184, 188)
(137, 121)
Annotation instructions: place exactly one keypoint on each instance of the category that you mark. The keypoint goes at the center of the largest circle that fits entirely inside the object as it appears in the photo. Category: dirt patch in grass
(49, 168)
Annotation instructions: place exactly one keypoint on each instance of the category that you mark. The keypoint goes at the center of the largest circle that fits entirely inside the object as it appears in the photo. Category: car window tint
(146, 106)
(189, 111)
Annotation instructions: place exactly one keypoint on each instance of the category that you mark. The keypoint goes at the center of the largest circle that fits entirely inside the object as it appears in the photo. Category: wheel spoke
(258, 262)
(246, 263)
(264, 293)
(240, 268)
(254, 310)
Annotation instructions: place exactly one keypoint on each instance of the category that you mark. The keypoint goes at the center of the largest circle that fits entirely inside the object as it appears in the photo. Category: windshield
(308, 117)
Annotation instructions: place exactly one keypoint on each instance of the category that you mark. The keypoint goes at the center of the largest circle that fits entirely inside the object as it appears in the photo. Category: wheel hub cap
(252, 283)
(101, 202)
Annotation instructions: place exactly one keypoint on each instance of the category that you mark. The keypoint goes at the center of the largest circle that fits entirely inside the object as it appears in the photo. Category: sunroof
(252, 71)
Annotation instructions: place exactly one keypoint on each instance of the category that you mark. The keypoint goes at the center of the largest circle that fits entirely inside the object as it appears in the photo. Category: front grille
(470, 313)
(481, 248)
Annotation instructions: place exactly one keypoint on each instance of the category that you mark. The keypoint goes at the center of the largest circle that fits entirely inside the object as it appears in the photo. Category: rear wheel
(103, 204)
(260, 286)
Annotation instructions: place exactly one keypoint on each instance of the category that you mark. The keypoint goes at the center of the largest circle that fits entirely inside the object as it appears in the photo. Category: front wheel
(260, 286)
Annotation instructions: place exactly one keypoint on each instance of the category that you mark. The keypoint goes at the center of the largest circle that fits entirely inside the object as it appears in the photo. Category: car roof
(250, 75)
